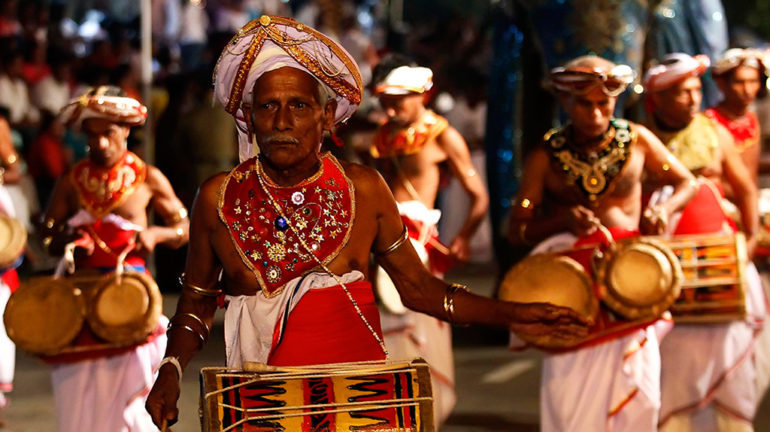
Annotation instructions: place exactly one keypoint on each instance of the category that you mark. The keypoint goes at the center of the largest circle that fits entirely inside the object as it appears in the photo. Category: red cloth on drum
(703, 214)
(11, 279)
(116, 240)
(324, 327)
(606, 326)
(438, 260)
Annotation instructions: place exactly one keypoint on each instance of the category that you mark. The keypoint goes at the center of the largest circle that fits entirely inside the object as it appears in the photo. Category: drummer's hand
(582, 221)
(460, 249)
(146, 241)
(654, 220)
(161, 402)
(545, 318)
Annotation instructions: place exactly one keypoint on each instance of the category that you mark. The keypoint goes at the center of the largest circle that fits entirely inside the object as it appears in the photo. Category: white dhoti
(613, 386)
(708, 376)
(409, 334)
(7, 350)
(108, 393)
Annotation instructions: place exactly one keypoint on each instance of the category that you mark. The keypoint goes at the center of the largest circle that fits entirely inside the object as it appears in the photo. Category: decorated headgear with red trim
(104, 102)
(269, 43)
(674, 68)
(580, 80)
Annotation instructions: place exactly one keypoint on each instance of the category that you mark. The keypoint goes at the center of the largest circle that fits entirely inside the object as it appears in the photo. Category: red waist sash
(110, 241)
(324, 327)
(703, 214)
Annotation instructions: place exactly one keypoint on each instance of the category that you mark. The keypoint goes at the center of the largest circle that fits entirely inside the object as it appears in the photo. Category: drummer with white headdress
(97, 218)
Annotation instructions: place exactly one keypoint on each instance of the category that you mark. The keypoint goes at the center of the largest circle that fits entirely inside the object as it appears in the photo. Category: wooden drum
(714, 279)
(361, 396)
(13, 240)
(44, 315)
(124, 309)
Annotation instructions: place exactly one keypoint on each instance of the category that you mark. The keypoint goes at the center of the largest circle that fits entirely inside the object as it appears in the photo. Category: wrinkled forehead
(284, 79)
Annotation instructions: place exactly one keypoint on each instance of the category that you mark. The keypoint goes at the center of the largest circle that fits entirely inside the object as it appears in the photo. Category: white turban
(404, 80)
(269, 43)
(735, 57)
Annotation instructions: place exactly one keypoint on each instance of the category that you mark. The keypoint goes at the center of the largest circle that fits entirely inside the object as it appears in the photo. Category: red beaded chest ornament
(255, 210)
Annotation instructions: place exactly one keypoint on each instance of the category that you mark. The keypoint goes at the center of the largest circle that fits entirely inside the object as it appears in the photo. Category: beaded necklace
(287, 221)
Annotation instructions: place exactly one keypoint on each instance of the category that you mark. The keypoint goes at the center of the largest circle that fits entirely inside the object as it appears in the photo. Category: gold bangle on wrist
(173, 325)
(198, 290)
(449, 300)
(197, 319)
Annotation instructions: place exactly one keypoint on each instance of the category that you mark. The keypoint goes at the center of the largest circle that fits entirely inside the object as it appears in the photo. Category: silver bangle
(174, 361)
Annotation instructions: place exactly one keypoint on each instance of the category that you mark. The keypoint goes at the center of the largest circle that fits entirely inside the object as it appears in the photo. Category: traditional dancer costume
(705, 367)
(101, 388)
(9, 281)
(285, 234)
(410, 334)
(610, 382)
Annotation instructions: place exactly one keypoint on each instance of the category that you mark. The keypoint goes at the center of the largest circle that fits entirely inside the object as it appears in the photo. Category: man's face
(590, 113)
(678, 105)
(740, 86)
(402, 109)
(288, 118)
(106, 140)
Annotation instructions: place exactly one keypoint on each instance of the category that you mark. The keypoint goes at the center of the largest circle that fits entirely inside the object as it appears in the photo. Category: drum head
(124, 311)
(13, 239)
(554, 279)
(639, 278)
(44, 315)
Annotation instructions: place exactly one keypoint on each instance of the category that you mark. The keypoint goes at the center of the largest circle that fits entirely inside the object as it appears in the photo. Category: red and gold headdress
(735, 57)
(581, 80)
(673, 69)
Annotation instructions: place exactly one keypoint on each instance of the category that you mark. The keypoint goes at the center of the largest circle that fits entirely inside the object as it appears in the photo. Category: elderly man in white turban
(289, 231)
(410, 150)
(707, 375)
(98, 212)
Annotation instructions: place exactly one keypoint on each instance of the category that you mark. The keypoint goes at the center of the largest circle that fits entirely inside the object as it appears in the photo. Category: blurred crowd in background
(51, 50)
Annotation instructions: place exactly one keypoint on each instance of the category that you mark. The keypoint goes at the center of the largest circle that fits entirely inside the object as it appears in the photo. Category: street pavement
(497, 390)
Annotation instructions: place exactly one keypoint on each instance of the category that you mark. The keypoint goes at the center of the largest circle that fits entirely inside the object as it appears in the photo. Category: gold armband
(449, 300)
(179, 215)
(396, 244)
(206, 331)
(198, 290)
(172, 325)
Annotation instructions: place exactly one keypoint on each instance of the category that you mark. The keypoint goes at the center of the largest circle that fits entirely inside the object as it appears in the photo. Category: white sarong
(108, 393)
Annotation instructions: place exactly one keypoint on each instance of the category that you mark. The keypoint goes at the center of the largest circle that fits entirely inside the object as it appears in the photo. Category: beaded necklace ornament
(392, 140)
(291, 223)
(102, 189)
(321, 210)
(592, 172)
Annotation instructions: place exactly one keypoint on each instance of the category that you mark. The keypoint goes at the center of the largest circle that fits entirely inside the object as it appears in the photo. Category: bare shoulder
(155, 176)
(364, 178)
(646, 139)
(210, 189)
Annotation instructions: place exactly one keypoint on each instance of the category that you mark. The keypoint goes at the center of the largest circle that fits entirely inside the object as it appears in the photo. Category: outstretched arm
(460, 162)
(423, 292)
(195, 311)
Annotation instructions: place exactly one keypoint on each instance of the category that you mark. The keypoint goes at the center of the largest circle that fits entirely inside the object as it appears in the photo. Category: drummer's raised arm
(190, 325)
(524, 229)
(666, 168)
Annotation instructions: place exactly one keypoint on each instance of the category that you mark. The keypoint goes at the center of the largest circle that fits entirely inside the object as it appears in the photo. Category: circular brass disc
(44, 315)
(13, 239)
(554, 279)
(639, 278)
(124, 311)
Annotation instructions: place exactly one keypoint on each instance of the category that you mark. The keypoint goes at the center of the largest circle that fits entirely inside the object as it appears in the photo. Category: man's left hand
(146, 241)
(460, 249)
